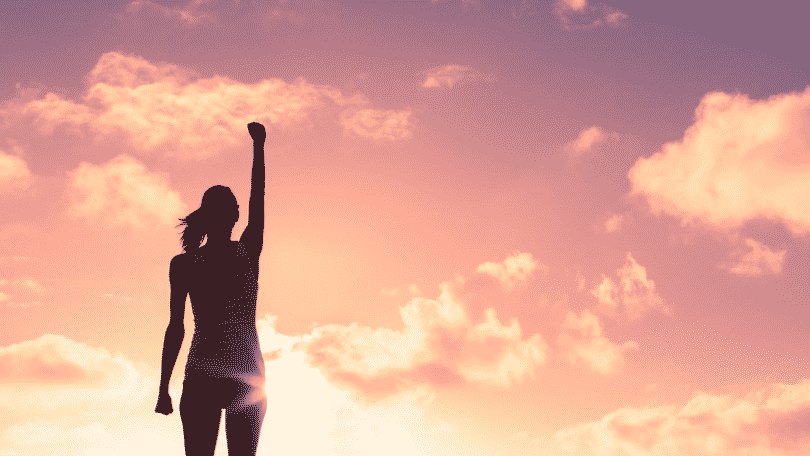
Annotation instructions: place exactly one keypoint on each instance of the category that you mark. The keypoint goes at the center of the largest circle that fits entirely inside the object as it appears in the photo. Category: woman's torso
(223, 287)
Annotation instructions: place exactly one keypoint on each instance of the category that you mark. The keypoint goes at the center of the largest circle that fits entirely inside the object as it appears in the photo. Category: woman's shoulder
(180, 260)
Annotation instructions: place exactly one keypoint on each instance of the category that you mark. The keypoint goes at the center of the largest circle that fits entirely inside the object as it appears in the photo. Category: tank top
(223, 289)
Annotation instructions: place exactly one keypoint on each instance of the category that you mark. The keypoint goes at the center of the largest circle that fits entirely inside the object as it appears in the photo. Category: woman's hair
(218, 209)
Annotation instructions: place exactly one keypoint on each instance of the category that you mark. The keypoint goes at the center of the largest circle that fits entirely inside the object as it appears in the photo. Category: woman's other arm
(174, 333)
(253, 236)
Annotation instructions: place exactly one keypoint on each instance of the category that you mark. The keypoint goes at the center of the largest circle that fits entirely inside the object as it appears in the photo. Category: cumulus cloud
(161, 106)
(635, 291)
(438, 346)
(759, 260)
(514, 271)
(582, 15)
(584, 343)
(59, 393)
(450, 75)
(740, 160)
(587, 140)
(123, 192)
(14, 174)
(772, 421)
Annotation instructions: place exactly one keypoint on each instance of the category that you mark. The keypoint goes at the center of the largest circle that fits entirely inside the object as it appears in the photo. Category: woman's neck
(218, 239)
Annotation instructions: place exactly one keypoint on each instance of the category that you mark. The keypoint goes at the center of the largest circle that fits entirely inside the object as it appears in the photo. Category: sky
(492, 227)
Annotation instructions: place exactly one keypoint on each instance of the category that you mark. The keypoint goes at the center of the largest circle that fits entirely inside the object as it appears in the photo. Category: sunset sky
(493, 227)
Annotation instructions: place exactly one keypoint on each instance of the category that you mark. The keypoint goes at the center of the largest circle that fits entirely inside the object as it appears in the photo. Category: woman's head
(218, 212)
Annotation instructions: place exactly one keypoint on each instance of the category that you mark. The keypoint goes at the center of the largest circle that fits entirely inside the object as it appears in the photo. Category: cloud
(614, 223)
(637, 292)
(740, 160)
(18, 259)
(580, 15)
(52, 359)
(83, 400)
(189, 14)
(14, 174)
(28, 285)
(590, 347)
(438, 346)
(450, 75)
(587, 140)
(122, 192)
(772, 420)
(514, 270)
(161, 106)
(760, 260)
(375, 123)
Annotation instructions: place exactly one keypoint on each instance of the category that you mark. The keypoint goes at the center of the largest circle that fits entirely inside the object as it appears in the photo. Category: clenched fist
(257, 131)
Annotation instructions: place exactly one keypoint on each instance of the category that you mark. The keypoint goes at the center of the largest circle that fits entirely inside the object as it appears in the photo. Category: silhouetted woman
(225, 369)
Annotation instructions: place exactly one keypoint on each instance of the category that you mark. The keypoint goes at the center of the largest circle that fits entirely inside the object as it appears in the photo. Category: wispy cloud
(189, 14)
(14, 174)
(25, 286)
(759, 260)
(514, 271)
(122, 192)
(583, 342)
(582, 15)
(614, 223)
(450, 75)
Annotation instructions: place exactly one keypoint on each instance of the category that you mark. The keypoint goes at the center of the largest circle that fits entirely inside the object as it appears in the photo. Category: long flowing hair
(218, 208)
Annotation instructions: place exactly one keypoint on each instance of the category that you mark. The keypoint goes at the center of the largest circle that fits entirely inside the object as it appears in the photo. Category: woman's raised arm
(253, 236)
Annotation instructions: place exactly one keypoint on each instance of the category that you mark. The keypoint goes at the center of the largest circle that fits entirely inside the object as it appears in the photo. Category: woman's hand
(257, 131)
(164, 403)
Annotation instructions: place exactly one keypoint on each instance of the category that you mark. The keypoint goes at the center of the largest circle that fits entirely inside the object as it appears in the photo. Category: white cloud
(637, 292)
(581, 15)
(770, 421)
(740, 160)
(591, 347)
(122, 192)
(161, 106)
(58, 393)
(587, 140)
(450, 75)
(514, 271)
(760, 260)
(14, 174)
(439, 345)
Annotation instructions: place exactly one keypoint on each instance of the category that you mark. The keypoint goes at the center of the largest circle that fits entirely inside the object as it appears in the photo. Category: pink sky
(497, 228)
